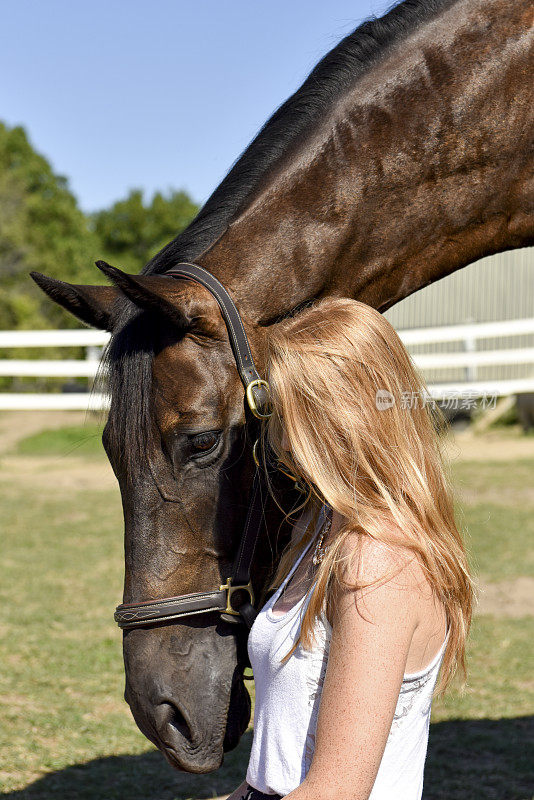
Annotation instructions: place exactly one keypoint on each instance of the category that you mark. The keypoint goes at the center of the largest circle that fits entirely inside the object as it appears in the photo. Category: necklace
(320, 551)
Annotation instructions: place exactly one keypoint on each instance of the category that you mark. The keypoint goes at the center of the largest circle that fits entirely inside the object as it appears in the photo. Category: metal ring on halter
(252, 400)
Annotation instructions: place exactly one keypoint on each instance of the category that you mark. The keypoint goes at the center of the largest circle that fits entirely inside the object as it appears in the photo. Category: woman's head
(362, 433)
(349, 400)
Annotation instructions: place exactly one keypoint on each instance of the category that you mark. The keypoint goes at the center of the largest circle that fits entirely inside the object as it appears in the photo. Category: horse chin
(200, 760)
(198, 765)
(238, 713)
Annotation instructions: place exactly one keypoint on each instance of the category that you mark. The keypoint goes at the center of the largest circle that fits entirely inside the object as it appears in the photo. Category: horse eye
(203, 442)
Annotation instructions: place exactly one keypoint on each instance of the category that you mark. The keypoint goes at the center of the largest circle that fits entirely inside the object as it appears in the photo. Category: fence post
(93, 354)
(470, 346)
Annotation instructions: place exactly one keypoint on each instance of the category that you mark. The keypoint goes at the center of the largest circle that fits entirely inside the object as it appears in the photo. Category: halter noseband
(235, 598)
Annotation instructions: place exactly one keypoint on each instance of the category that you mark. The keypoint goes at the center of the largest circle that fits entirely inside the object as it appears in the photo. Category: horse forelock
(127, 363)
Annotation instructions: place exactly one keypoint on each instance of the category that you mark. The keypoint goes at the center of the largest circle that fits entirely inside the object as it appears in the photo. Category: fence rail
(48, 401)
(93, 341)
(78, 337)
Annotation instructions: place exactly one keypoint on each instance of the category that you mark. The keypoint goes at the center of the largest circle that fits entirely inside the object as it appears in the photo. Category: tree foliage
(131, 232)
(42, 228)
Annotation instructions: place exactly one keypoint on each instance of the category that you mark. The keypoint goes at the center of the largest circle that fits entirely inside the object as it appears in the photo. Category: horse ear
(92, 304)
(159, 294)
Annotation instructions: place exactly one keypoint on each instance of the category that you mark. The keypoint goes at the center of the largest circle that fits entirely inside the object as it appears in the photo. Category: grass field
(65, 731)
(73, 440)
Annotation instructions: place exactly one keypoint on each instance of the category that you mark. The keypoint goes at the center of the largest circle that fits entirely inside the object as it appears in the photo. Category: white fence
(469, 359)
(93, 342)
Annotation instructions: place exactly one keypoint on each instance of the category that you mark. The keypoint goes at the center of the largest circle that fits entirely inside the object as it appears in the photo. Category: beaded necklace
(320, 551)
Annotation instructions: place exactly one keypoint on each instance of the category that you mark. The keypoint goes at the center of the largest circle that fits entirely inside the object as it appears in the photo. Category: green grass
(481, 741)
(500, 540)
(65, 731)
(77, 440)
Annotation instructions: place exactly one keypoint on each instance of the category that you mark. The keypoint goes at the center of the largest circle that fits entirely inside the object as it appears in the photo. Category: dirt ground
(505, 599)
(44, 472)
(17, 425)
(491, 446)
(513, 598)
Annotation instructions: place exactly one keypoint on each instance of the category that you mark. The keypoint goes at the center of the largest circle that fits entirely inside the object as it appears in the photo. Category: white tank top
(287, 704)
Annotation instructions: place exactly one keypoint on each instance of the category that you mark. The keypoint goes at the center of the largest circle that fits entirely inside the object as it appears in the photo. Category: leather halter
(235, 598)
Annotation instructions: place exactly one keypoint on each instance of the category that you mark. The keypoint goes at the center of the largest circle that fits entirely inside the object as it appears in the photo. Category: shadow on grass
(467, 760)
(140, 777)
(480, 758)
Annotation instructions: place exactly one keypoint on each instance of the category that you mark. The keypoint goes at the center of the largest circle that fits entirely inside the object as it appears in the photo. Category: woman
(374, 593)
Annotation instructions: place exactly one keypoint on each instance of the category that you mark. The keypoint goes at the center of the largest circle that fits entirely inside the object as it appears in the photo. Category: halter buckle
(252, 400)
(247, 587)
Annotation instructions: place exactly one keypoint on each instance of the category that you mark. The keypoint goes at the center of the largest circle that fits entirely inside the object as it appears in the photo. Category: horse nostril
(179, 722)
(168, 716)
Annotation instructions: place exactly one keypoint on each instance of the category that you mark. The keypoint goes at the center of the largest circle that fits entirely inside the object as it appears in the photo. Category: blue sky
(122, 94)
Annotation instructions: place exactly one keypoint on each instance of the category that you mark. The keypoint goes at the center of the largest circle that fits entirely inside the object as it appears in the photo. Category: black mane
(129, 355)
(334, 75)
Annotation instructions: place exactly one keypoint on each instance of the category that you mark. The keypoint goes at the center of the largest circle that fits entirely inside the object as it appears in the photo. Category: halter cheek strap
(256, 389)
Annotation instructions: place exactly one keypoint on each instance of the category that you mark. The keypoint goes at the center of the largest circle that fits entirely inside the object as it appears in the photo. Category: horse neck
(420, 169)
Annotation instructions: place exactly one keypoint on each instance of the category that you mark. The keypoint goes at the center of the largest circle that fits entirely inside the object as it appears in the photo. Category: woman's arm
(371, 634)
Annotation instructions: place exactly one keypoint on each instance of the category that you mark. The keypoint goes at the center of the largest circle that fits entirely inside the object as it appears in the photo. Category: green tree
(41, 228)
(132, 231)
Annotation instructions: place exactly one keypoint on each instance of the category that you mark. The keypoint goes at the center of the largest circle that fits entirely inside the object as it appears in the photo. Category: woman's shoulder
(373, 554)
(388, 566)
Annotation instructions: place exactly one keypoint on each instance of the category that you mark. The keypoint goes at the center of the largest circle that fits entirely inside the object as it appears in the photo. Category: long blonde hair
(366, 438)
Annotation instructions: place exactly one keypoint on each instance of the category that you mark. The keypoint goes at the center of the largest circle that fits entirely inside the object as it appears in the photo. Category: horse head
(179, 440)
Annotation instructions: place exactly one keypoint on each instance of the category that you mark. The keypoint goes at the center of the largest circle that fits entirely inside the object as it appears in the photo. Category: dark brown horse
(405, 155)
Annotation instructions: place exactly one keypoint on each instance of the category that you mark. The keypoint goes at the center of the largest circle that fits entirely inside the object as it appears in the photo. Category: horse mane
(297, 117)
(129, 355)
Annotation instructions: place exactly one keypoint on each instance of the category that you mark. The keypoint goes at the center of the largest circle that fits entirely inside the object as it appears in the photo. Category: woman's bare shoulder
(369, 560)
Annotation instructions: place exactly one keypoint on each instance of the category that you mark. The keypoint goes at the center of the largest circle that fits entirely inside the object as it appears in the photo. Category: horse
(406, 154)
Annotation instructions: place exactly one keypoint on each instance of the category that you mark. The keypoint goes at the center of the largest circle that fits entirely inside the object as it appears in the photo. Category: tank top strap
(320, 521)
